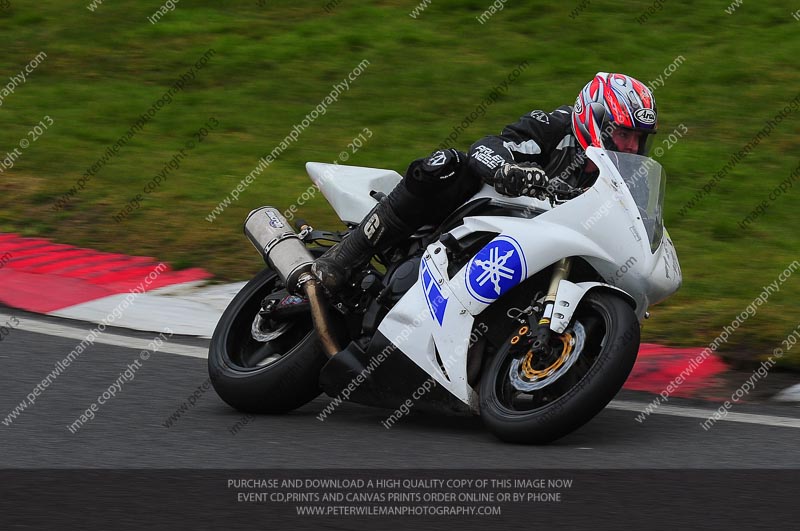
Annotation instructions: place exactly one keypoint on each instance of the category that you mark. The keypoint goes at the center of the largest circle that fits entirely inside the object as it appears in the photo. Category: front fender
(569, 295)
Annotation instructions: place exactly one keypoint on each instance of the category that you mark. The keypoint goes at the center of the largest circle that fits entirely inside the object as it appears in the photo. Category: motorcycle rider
(539, 153)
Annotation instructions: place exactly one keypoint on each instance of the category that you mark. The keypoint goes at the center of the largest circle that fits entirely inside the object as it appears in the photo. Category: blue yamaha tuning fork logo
(496, 268)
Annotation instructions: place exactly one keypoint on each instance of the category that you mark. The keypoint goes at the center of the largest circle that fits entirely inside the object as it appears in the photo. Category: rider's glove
(521, 178)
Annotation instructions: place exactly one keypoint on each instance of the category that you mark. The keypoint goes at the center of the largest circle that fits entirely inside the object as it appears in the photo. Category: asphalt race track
(130, 430)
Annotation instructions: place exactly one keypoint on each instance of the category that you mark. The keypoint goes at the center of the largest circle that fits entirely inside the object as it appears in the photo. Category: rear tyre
(608, 342)
(274, 376)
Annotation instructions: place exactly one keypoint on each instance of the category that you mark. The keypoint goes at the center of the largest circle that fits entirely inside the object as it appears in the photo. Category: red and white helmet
(618, 100)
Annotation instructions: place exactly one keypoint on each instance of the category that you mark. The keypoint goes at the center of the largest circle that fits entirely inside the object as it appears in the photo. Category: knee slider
(435, 171)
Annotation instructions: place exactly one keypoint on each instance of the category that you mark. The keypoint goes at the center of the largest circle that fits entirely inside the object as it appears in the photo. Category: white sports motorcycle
(522, 310)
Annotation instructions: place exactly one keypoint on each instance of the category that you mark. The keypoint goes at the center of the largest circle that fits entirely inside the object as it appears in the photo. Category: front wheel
(273, 369)
(536, 399)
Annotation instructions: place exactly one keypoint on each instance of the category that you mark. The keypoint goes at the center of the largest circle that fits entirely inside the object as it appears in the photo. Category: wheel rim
(516, 392)
(275, 340)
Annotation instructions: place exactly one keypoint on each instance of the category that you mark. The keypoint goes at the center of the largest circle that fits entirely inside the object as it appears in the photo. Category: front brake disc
(521, 382)
(263, 336)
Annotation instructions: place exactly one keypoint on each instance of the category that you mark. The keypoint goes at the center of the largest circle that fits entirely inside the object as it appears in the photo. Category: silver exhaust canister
(285, 252)
(279, 245)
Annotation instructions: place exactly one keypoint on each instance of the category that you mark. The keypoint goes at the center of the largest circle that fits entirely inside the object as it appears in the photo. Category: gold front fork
(560, 272)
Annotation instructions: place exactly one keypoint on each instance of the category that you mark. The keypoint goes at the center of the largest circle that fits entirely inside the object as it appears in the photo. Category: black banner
(399, 499)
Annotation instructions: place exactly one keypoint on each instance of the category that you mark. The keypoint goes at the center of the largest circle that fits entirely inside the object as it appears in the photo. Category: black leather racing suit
(435, 186)
(540, 137)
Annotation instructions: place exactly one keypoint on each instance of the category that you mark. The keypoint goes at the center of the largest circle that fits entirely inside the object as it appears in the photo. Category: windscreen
(646, 180)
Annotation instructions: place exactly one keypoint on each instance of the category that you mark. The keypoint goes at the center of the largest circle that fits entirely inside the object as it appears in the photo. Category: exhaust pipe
(279, 245)
(284, 251)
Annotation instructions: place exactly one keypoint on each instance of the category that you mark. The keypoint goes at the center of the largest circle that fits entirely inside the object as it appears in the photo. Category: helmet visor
(627, 140)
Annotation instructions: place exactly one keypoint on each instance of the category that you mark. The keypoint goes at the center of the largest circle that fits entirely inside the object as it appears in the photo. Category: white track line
(47, 328)
(51, 329)
(698, 413)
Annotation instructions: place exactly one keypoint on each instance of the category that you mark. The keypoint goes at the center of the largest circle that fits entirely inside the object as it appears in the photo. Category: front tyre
(275, 373)
(525, 401)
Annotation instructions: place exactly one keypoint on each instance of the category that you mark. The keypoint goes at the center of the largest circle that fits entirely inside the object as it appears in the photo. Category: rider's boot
(417, 198)
(379, 230)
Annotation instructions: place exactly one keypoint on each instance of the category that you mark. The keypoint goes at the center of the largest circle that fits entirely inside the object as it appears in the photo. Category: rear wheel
(272, 369)
(535, 399)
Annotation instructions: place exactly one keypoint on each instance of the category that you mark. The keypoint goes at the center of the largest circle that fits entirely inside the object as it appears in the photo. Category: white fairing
(347, 188)
(604, 226)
